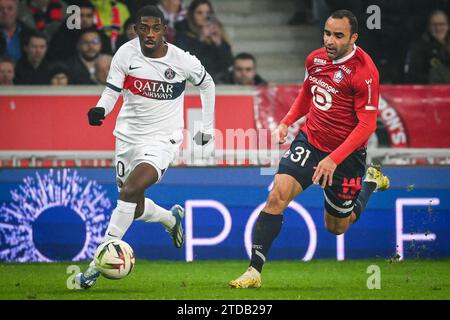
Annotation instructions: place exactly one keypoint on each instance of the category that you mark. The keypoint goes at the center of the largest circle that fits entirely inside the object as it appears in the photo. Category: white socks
(155, 213)
(123, 216)
(121, 219)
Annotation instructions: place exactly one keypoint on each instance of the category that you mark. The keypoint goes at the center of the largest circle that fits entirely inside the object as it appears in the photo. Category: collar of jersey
(347, 57)
(162, 58)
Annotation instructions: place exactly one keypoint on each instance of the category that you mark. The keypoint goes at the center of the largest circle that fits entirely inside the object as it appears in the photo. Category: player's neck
(161, 52)
(10, 30)
(346, 55)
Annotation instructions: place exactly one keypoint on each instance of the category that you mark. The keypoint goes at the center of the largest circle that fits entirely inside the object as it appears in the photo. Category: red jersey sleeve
(367, 89)
(366, 97)
(299, 108)
(302, 103)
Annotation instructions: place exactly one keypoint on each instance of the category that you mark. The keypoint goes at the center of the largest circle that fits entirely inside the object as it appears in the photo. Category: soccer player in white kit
(151, 74)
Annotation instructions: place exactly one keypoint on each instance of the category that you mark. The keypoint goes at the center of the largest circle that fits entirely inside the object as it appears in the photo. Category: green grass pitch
(318, 279)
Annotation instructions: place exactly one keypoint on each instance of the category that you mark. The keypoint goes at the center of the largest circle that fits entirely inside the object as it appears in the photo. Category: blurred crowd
(412, 43)
(38, 44)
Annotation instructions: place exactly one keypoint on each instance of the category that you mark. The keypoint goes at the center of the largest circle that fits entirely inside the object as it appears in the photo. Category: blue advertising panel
(62, 214)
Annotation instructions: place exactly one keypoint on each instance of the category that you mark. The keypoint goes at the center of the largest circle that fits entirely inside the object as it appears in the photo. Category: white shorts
(157, 153)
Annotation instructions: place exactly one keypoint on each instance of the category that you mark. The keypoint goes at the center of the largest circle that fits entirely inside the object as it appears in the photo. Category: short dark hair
(92, 29)
(149, 11)
(127, 23)
(84, 4)
(58, 67)
(35, 34)
(245, 56)
(6, 59)
(195, 4)
(436, 12)
(343, 13)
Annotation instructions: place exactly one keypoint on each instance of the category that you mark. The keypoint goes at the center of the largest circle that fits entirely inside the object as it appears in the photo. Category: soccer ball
(114, 259)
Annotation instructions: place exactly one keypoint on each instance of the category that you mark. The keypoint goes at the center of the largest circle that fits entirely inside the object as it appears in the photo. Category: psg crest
(338, 76)
(169, 74)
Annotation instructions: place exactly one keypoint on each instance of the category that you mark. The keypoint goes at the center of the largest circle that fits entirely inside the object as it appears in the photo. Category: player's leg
(131, 193)
(123, 156)
(336, 225)
(294, 175)
(374, 181)
(148, 163)
(132, 183)
(159, 155)
(267, 228)
(147, 210)
(131, 201)
(341, 196)
(345, 203)
(270, 219)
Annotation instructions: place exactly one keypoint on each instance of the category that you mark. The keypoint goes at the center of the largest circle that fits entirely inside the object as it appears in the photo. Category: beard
(150, 51)
(90, 58)
(339, 52)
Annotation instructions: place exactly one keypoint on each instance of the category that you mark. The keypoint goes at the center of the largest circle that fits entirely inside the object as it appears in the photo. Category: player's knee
(277, 200)
(139, 208)
(335, 229)
(129, 193)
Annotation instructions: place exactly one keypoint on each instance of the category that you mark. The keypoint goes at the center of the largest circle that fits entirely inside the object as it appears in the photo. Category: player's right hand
(96, 115)
(201, 138)
(281, 133)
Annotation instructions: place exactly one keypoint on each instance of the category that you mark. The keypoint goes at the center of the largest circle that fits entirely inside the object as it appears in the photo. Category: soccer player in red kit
(339, 98)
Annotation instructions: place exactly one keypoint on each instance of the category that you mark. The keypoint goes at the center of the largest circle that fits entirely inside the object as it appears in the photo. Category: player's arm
(366, 106)
(299, 108)
(200, 78)
(207, 96)
(108, 99)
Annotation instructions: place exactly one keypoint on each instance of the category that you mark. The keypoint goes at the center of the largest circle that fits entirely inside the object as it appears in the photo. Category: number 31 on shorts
(300, 155)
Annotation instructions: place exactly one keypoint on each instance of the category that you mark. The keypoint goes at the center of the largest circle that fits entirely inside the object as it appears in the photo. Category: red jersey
(340, 98)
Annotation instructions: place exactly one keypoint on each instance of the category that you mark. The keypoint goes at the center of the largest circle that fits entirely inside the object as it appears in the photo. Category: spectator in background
(135, 5)
(203, 36)
(110, 16)
(102, 65)
(6, 71)
(82, 64)
(43, 15)
(174, 12)
(243, 72)
(33, 67)
(64, 42)
(428, 60)
(13, 33)
(59, 75)
(401, 22)
(128, 34)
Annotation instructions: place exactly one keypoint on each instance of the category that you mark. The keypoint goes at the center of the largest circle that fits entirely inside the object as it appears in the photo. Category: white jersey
(153, 92)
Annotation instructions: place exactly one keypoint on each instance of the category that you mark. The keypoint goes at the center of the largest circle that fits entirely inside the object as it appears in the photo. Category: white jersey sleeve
(195, 71)
(118, 70)
(114, 82)
(198, 76)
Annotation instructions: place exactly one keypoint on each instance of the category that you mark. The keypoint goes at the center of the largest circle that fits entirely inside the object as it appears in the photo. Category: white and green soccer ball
(114, 259)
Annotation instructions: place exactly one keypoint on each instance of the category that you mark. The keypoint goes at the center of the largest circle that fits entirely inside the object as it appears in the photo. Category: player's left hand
(201, 138)
(325, 169)
(96, 115)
